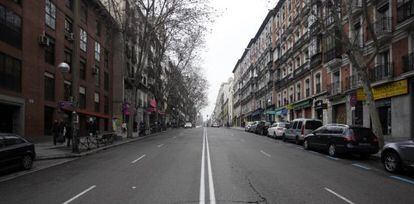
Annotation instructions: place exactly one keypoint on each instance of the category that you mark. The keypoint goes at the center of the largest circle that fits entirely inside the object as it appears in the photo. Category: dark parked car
(252, 127)
(261, 127)
(338, 138)
(397, 155)
(15, 151)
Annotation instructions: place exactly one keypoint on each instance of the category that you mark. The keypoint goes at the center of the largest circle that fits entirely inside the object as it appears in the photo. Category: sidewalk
(47, 151)
(237, 128)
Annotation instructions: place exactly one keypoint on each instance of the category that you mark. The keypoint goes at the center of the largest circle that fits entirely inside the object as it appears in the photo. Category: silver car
(299, 128)
(397, 155)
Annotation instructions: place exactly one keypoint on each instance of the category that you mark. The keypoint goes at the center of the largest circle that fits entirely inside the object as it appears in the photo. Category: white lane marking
(334, 158)
(79, 195)
(160, 145)
(133, 162)
(403, 179)
(202, 191)
(134, 187)
(210, 174)
(361, 166)
(339, 196)
(263, 152)
(299, 148)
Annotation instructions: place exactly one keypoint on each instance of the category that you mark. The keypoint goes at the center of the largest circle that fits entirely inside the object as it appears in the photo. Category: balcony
(405, 14)
(301, 70)
(334, 88)
(381, 72)
(333, 57)
(408, 61)
(352, 82)
(383, 28)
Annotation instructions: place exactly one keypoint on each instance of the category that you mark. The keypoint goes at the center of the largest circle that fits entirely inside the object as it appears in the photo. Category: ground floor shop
(12, 118)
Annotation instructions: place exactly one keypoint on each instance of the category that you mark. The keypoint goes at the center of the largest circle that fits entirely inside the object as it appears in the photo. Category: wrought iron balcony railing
(381, 72)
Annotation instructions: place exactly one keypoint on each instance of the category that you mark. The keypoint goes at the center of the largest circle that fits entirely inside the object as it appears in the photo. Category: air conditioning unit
(69, 36)
(43, 40)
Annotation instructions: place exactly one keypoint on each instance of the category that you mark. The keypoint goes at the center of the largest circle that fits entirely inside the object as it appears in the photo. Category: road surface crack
(262, 198)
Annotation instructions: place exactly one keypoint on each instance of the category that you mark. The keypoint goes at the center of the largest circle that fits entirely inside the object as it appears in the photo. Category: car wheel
(297, 141)
(392, 162)
(332, 150)
(284, 138)
(27, 162)
(306, 145)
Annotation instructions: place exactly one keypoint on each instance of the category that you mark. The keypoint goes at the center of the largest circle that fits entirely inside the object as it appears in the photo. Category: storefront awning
(280, 111)
(257, 112)
(302, 105)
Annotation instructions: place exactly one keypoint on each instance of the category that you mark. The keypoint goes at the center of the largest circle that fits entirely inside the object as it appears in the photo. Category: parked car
(247, 126)
(15, 151)
(299, 128)
(215, 125)
(188, 125)
(339, 139)
(397, 155)
(261, 127)
(253, 126)
(276, 130)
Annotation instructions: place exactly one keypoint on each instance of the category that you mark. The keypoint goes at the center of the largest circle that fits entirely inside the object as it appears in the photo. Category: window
(97, 52)
(83, 40)
(106, 59)
(307, 88)
(10, 73)
(98, 28)
(69, 4)
(50, 51)
(49, 80)
(299, 125)
(83, 12)
(82, 97)
(67, 89)
(10, 27)
(12, 140)
(50, 9)
(82, 69)
(106, 81)
(106, 105)
(298, 87)
(318, 83)
(68, 26)
(97, 75)
(68, 58)
(96, 100)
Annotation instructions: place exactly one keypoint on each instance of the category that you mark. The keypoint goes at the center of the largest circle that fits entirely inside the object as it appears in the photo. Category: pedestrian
(62, 132)
(68, 135)
(124, 127)
(55, 131)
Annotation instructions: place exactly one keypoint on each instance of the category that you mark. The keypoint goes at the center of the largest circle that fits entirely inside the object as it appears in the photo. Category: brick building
(37, 35)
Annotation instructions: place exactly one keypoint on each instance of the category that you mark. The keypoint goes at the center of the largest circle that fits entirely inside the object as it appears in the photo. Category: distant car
(215, 125)
(276, 130)
(253, 126)
(15, 151)
(261, 128)
(397, 155)
(299, 128)
(247, 126)
(188, 125)
(340, 139)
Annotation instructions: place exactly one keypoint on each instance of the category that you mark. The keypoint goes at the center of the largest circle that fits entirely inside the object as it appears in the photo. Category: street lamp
(65, 68)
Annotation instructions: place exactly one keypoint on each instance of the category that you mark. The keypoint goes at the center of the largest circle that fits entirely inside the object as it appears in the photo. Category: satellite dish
(64, 67)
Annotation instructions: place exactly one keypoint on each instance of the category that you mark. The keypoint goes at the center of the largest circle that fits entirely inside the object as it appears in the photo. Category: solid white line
(361, 166)
(334, 158)
(339, 196)
(138, 159)
(210, 174)
(403, 179)
(79, 195)
(160, 145)
(202, 191)
(265, 153)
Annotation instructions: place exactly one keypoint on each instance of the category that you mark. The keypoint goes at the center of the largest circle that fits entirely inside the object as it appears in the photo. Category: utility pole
(75, 75)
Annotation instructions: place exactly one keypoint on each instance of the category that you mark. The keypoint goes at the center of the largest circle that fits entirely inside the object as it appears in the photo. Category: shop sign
(303, 104)
(320, 105)
(289, 107)
(386, 91)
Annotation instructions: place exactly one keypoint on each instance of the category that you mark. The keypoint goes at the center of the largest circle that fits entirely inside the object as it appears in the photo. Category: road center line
(339, 196)
(202, 190)
(361, 166)
(133, 162)
(263, 152)
(160, 145)
(210, 174)
(79, 195)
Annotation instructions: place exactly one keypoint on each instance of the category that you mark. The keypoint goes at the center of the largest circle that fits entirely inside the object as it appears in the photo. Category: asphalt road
(206, 165)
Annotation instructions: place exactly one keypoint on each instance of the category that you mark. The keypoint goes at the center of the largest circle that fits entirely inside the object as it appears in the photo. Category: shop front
(303, 109)
(319, 106)
(281, 114)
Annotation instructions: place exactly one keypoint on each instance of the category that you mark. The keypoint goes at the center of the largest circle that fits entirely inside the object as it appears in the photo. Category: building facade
(35, 37)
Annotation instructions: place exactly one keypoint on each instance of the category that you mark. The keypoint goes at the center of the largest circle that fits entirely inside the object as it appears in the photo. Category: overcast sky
(237, 23)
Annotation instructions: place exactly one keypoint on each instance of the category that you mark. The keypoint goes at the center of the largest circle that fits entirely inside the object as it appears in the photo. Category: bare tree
(160, 27)
(337, 19)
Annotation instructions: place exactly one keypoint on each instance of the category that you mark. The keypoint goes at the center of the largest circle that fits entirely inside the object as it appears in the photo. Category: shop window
(385, 118)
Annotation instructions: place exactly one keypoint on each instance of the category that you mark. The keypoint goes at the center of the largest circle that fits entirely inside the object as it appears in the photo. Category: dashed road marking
(133, 162)
(160, 145)
(79, 195)
(263, 152)
(339, 196)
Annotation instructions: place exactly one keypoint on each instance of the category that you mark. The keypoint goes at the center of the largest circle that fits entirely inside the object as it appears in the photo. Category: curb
(93, 151)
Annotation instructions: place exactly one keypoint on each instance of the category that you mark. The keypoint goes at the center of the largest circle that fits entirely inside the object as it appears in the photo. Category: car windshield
(206, 101)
